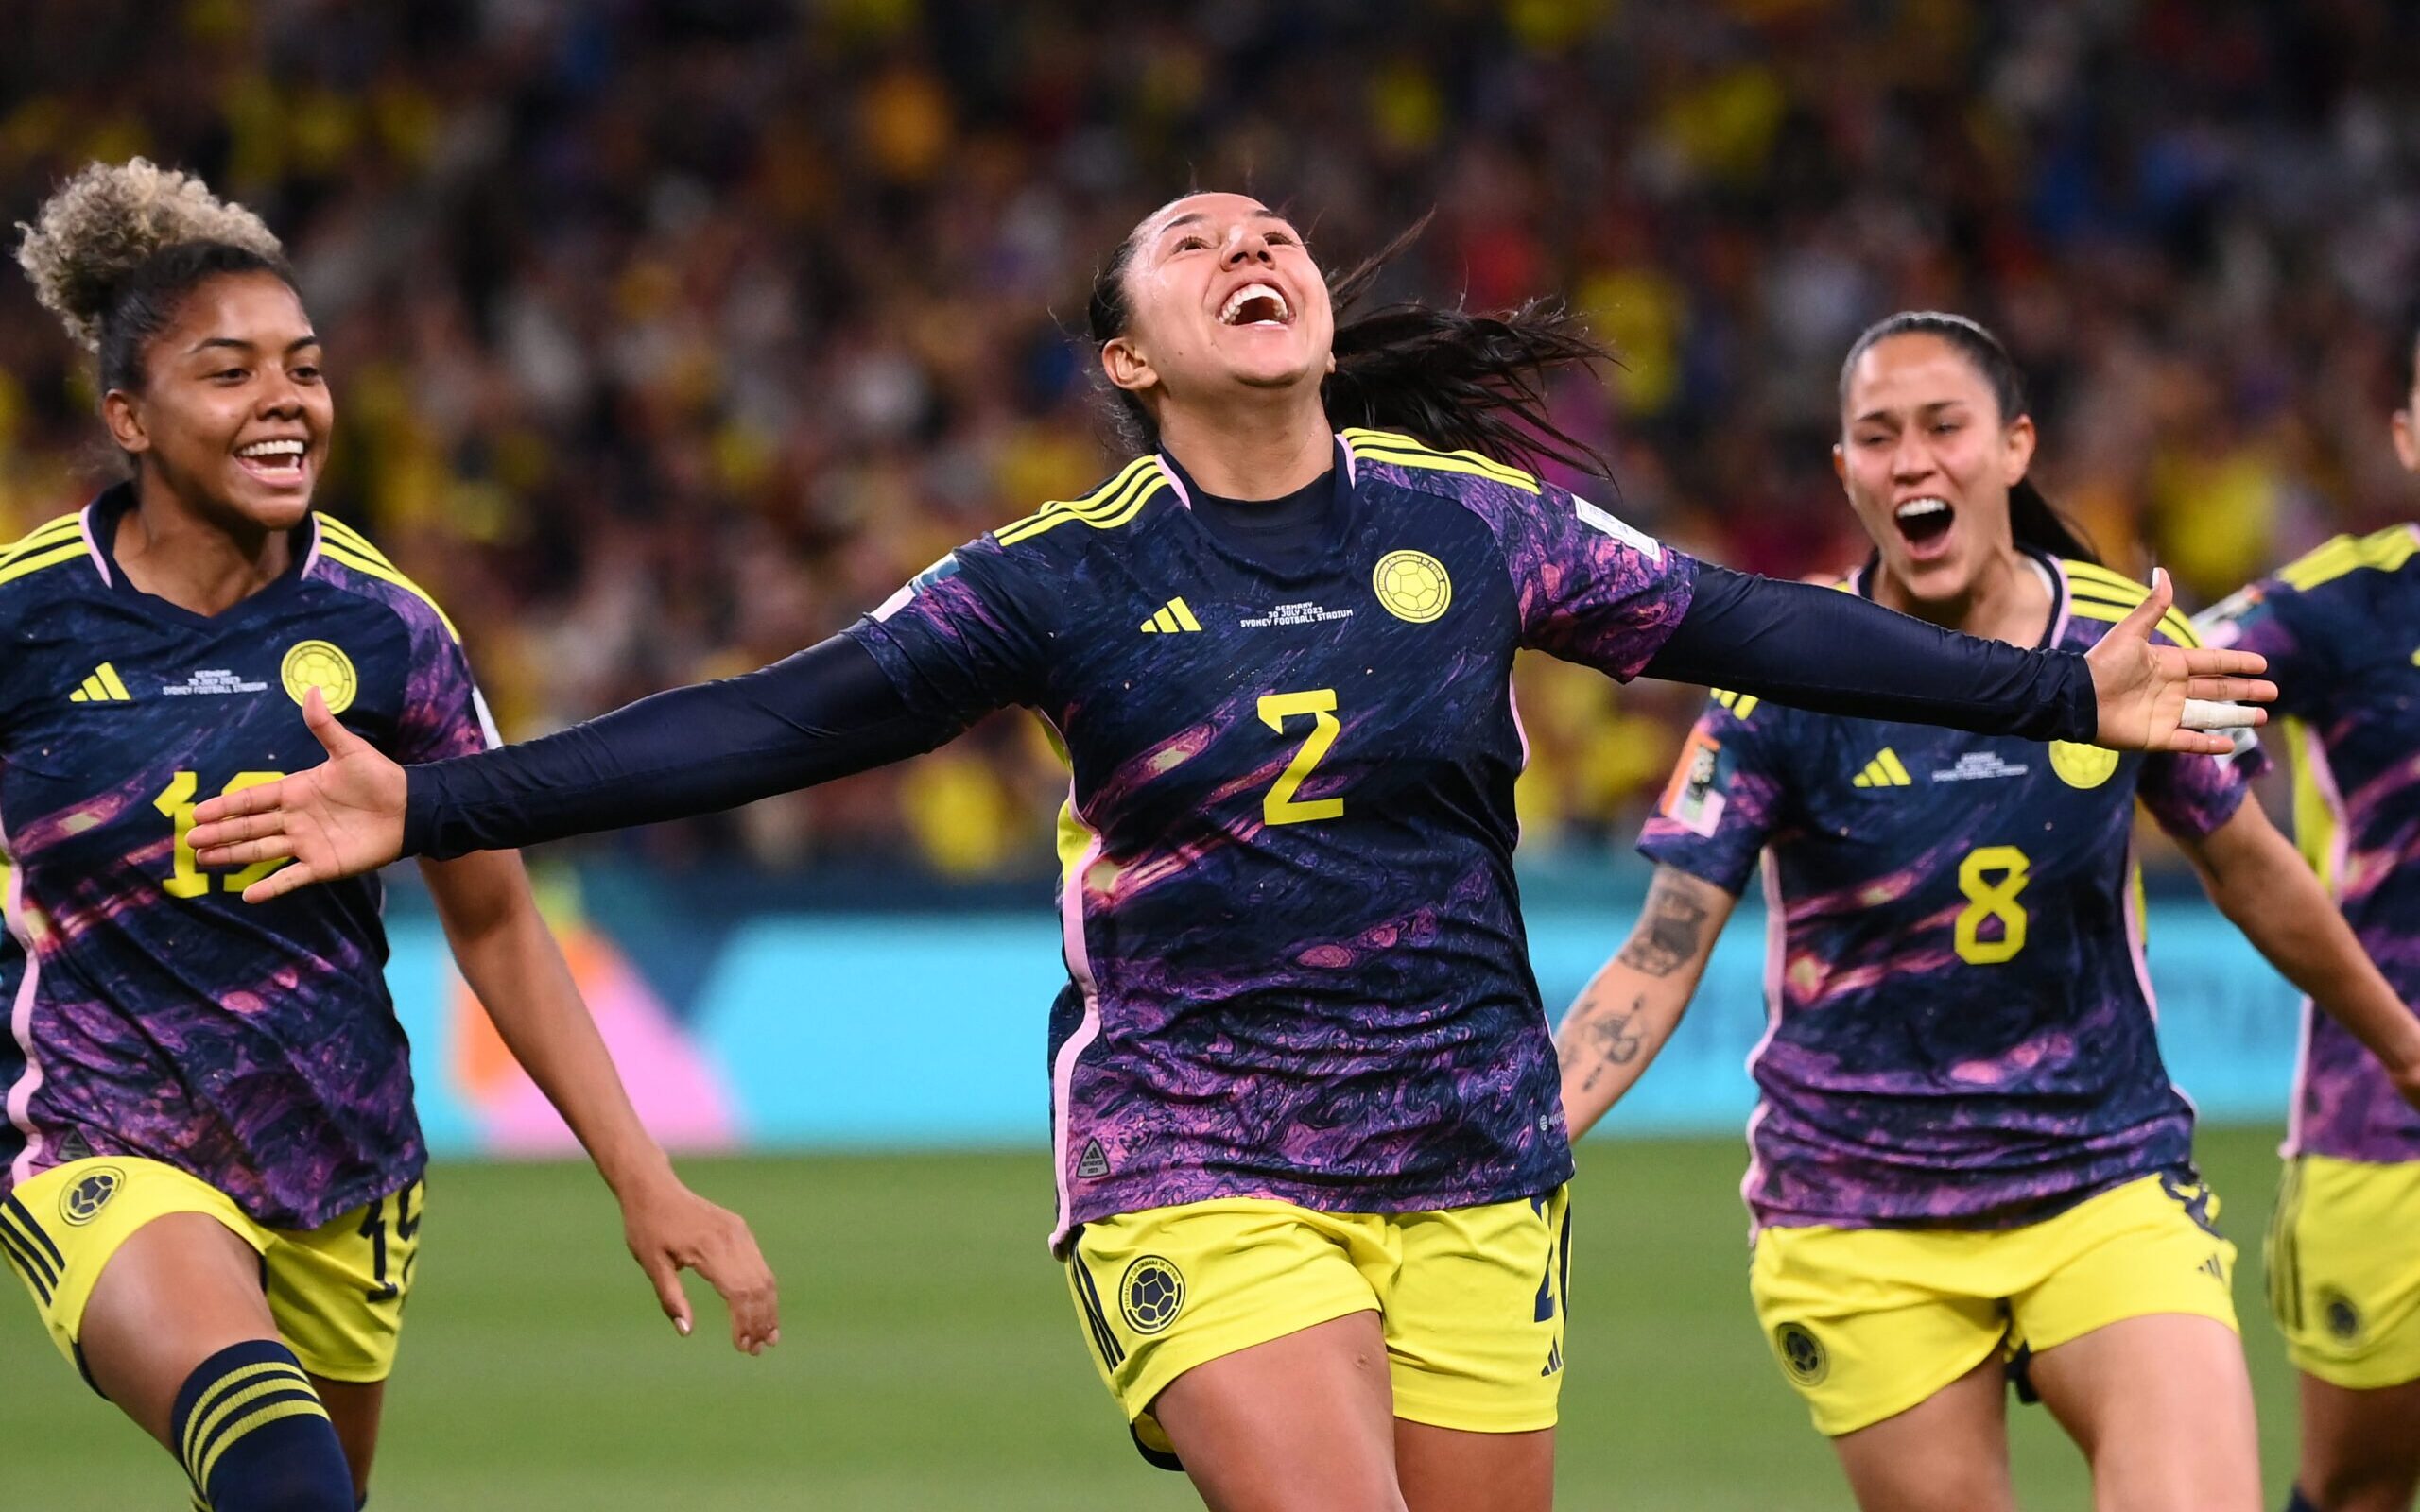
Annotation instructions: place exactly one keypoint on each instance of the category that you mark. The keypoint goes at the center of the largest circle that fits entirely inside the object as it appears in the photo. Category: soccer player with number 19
(1310, 1159)
(210, 1171)
(1967, 1155)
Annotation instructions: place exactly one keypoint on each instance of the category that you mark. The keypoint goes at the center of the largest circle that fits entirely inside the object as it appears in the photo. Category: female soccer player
(210, 1173)
(2343, 627)
(1309, 1162)
(1966, 1149)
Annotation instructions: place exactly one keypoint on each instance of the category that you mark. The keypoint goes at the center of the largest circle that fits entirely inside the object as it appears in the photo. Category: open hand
(2164, 697)
(342, 816)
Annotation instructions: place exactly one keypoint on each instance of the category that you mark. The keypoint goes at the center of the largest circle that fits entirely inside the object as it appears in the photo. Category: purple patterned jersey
(2340, 629)
(1961, 1024)
(153, 1012)
(1295, 957)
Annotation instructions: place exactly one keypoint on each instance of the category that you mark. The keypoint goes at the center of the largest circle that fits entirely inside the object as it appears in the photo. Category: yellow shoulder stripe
(383, 570)
(2090, 585)
(1386, 446)
(50, 533)
(334, 529)
(1740, 705)
(1105, 509)
(2174, 626)
(2382, 551)
(36, 560)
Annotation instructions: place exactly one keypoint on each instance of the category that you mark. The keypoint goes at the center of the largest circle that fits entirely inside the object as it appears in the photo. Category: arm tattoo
(1668, 938)
(1614, 1040)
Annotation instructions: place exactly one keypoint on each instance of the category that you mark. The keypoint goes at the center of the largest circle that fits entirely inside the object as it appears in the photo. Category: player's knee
(255, 1436)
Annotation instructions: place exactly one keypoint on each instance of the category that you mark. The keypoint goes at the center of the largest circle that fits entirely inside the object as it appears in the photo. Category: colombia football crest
(82, 1203)
(1412, 586)
(1151, 1294)
(318, 664)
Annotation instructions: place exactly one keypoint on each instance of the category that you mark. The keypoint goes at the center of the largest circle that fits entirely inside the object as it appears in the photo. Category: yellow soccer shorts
(336, 1292)
(2344, 1264)
(1868, 1322)
(1471, 1300)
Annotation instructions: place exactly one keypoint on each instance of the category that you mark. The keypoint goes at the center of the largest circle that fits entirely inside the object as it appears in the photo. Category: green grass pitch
(932, 1359)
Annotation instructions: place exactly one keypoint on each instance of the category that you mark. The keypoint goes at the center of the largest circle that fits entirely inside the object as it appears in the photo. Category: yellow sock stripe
(1184, 614)
(36, 561)
(110, 680)
(329, 549)
(260, 1417)
(1363, 439)
(1098, 498)
(1106, 517)
(1896, 768)
(68, 526)
(232, 1390)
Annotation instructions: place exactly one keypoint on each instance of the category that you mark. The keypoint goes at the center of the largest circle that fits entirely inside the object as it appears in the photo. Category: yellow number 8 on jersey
(1990, 899)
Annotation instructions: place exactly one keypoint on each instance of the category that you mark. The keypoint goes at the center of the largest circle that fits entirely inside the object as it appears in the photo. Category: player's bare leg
(1947, 1453)
(2161, 1409)
(178, 1292)
(2361, 1450)
(1448, 1470)
(1302, 1423)
(354, 1406)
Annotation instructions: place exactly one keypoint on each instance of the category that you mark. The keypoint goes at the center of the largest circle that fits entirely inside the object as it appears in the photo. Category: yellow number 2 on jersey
(1280, 806)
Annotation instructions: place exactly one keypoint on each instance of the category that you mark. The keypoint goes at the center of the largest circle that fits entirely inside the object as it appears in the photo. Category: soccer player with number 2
(209, 1170)
(1309, 1158)
(1968, 1161)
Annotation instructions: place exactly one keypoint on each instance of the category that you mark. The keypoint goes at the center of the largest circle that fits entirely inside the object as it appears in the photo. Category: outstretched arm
(1635, 1002)
(826, 713)
(2262, 884)
(511, 961)
(1835, 653)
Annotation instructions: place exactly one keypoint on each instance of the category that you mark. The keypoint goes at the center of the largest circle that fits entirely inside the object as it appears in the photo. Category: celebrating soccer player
(209, 1172)
(1309, 1158)
(2343, 627)
(1967, 1155)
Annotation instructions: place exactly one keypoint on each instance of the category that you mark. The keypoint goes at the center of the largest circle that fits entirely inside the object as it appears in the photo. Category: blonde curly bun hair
(115, 247)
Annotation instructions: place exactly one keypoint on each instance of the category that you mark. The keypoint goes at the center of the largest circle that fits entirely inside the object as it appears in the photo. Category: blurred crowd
(669, 334)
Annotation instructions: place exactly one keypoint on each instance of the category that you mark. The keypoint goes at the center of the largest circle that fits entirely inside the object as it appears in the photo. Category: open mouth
(1256, 304)
(1924, 523)
(277, 461)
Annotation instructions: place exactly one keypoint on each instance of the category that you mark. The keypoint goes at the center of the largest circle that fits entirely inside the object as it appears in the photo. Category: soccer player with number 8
(1967, 1160)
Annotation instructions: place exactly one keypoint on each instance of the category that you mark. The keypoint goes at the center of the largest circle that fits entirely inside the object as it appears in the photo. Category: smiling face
(234, 414)
(1928, 460)
(1221, 297)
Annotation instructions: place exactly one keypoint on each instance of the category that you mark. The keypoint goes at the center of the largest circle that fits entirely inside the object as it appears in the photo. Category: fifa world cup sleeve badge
(1691, 801)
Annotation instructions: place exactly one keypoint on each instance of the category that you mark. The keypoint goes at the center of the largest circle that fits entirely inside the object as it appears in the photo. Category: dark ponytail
(2031, 517)
(1447, 377)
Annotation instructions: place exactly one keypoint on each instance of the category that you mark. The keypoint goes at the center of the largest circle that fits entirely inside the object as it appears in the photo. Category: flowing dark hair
(2032, 519)
(1447, 377)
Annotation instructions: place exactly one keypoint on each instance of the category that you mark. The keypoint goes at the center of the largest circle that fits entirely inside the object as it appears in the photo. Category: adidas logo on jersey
(103, 686)
(1095, 1163)
(1174, 617)
(1885, 770)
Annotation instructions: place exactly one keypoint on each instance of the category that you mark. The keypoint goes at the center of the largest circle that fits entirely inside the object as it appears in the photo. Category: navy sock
(255, 1436)
(2296, 1502)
